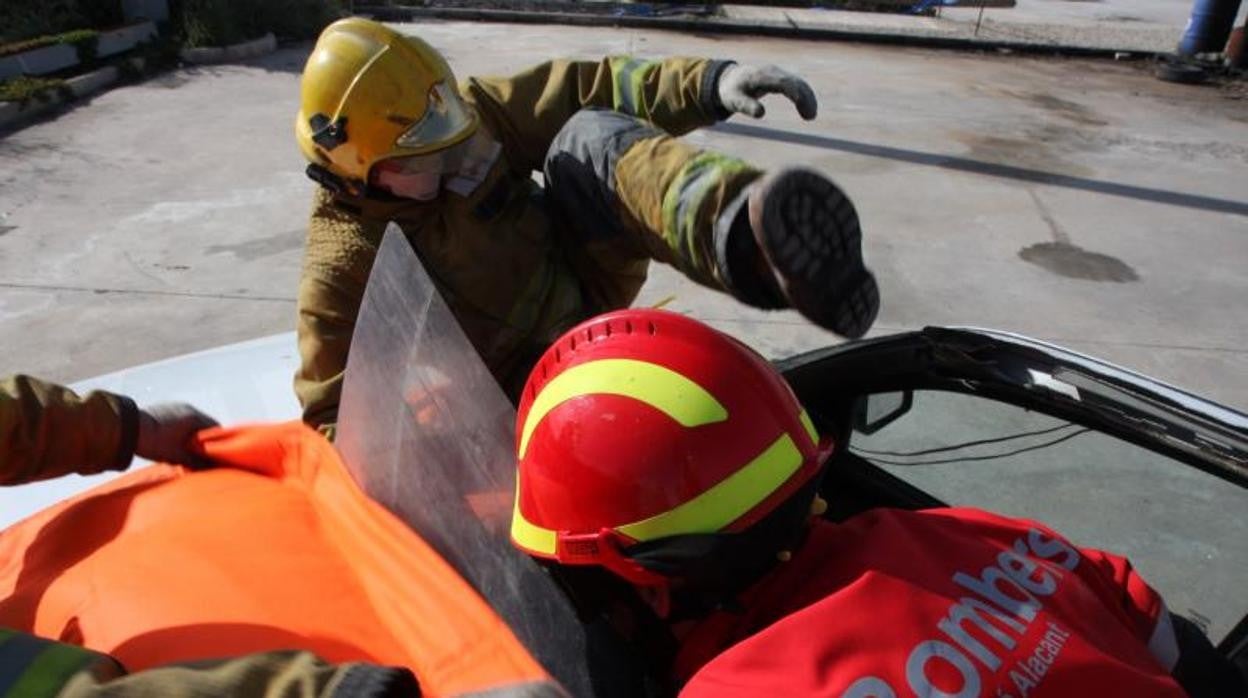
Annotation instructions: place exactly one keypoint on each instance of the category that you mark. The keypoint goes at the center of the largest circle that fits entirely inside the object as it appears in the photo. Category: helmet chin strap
(659, 599)
(708, 572)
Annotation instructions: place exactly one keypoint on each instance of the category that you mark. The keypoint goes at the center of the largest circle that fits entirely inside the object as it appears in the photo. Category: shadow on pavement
(284, 60)
(991, 169)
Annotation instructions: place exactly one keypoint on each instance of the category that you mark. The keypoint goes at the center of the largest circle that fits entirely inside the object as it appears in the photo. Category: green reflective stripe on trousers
(684, 202)
(34, 667)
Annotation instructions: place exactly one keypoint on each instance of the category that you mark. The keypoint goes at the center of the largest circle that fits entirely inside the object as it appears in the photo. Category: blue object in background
(1209, 27)
(928, 4)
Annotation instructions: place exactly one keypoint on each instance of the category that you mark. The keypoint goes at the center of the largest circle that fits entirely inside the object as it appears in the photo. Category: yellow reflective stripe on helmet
(684, 401)
(528, 535)
(709, 512)
(811, 431)
(728, 500)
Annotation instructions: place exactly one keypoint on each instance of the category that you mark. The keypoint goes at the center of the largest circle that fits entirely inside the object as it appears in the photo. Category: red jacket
(947, 602)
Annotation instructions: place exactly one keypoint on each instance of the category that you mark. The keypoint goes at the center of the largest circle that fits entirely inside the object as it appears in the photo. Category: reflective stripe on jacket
(33, 667)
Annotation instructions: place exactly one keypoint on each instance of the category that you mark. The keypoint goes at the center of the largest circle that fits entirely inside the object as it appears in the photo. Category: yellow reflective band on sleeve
(728, 500)
(528, 535)
(628, 78)
(811, 431)
(35, 667)
(686, 402)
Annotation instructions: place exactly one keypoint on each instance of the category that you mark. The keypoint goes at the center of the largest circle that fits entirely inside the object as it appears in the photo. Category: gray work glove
(741, 86)
(165, 432)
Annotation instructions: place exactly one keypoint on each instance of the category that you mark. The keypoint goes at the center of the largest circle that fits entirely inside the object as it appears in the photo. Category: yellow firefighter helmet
(369, 94)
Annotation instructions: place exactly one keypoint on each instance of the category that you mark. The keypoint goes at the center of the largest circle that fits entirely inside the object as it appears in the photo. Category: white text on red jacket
(1002, 605)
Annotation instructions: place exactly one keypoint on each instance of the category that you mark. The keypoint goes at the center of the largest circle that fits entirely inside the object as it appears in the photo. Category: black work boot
(807, 230)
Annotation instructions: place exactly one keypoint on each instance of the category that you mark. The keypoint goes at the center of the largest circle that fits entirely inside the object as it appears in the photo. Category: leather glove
(165, 432)
(740, 87)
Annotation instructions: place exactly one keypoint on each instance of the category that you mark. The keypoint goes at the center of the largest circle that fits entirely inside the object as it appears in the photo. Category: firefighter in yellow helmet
(392, 137)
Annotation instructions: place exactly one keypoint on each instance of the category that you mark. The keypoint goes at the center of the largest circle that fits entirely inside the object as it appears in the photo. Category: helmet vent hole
(653, 330)
(589, 334)
(558, 356)
(572, 343)
(628, 326)
(608, 326)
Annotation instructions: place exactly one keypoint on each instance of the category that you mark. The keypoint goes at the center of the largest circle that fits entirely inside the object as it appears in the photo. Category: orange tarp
(276, 548)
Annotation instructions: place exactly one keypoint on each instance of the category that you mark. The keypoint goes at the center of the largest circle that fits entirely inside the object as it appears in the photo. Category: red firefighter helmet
(644, 425)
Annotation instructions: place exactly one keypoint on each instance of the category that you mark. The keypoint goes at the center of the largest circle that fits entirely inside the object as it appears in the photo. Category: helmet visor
(419, 176)
(446, 118)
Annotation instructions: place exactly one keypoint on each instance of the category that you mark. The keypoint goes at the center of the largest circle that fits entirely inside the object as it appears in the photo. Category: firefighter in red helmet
(671, 461)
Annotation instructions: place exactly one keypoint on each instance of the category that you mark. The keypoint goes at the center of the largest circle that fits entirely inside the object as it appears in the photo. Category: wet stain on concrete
(1066, 109)
(1064, 258)
(1074, 262)
(5, 229)
(259, 248)
(1055, 228)
(1046, 148)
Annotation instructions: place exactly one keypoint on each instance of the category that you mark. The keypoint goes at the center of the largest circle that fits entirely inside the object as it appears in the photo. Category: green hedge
(82, 39)
(23, 89)
(25, 19)
(225, 22)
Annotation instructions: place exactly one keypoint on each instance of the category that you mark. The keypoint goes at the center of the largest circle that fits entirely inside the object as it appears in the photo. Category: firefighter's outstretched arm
(1176, 643)
(677, 95)
(339, 256)
(47, 430)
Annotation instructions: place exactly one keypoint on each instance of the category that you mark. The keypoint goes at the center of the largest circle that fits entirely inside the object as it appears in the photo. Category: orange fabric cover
(275, 549)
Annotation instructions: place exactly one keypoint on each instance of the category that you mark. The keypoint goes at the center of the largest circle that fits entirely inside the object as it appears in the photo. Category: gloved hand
(741, 86)
(165, 432)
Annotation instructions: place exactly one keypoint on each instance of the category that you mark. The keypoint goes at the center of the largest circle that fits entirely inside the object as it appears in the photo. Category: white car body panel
(238, 383)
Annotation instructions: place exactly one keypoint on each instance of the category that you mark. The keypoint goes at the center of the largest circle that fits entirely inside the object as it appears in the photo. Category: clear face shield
(420, 177)
(426, 432)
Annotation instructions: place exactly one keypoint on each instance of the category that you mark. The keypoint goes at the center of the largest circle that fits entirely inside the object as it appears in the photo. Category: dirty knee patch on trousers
(580, 168)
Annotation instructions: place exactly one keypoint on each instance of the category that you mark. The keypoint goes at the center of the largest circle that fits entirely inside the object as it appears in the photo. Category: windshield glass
(1184, 529)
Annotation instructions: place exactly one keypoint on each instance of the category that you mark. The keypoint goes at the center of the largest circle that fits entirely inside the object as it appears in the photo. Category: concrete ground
(1133, 26)
(1169, 12)
(1079, 202)
(1153, 25)
(1084, 203)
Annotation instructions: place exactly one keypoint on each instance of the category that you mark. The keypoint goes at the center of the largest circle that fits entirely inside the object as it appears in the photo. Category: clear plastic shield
(426, 432)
